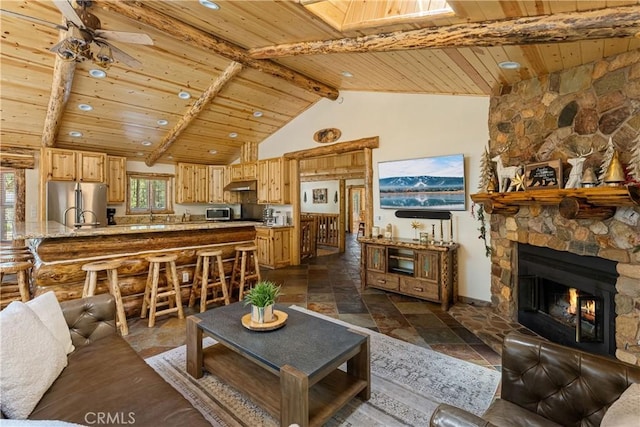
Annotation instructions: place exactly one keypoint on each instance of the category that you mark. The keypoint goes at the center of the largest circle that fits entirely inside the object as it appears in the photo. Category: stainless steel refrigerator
(77, 204)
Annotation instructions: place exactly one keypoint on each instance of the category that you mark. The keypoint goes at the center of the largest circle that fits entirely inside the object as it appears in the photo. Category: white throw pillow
(31, 359)
(47, 308)
(625, 411)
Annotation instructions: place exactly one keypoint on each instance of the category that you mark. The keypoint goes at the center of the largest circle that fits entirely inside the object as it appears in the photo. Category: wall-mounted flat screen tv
(430, 183)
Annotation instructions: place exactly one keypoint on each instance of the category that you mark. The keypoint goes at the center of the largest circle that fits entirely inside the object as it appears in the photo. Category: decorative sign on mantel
(543, 175)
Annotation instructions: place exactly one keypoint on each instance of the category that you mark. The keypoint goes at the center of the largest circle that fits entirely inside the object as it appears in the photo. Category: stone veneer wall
(553, 117)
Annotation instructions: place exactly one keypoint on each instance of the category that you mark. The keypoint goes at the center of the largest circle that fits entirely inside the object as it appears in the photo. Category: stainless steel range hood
(242, 186)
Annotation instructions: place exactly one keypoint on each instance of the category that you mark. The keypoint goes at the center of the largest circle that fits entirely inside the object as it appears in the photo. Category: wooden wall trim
(339, 148)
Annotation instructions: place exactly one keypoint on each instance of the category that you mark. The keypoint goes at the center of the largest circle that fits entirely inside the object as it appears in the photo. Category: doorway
(355, 210)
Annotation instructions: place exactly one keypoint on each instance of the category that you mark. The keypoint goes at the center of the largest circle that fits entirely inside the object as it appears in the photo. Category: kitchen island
(60, 252)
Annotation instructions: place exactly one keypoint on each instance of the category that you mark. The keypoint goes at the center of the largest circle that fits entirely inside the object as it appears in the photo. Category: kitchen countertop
(53, 229)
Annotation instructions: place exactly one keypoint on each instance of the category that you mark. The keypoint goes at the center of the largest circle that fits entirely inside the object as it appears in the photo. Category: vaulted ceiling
(276, 58)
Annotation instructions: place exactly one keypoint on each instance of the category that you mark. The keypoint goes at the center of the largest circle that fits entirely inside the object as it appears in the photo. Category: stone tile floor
(331, 285)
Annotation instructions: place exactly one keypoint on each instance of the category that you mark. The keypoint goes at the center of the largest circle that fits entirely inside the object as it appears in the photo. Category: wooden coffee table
(291, 372)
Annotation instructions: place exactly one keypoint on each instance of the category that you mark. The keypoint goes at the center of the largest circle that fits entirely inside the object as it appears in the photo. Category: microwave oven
(218, 214)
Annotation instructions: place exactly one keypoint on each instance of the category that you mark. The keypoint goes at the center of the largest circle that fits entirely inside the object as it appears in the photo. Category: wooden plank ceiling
(193, 46)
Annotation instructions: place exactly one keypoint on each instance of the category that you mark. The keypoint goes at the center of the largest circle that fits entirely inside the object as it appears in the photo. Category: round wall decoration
(324, 136)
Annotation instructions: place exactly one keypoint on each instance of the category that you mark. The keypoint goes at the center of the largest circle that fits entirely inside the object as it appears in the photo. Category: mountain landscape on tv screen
(419, 184)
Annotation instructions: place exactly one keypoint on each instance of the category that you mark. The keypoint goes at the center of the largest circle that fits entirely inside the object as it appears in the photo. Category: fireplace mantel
(574, 203)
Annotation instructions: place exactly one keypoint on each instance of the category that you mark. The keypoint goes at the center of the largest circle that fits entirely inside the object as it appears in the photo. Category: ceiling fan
(85, 37)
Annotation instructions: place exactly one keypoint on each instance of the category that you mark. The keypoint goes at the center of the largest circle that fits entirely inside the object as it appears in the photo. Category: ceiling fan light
(104, 57)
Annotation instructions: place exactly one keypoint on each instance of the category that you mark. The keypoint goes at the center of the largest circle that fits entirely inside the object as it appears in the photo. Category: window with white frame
(149, 193)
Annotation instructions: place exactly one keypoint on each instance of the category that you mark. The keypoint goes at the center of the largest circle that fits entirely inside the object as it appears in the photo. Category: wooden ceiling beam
(206, 97)
(616, 22)
(63, 72)
(203, 40)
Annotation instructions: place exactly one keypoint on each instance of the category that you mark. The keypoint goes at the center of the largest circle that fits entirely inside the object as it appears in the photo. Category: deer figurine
(505, 174)
(577, 164)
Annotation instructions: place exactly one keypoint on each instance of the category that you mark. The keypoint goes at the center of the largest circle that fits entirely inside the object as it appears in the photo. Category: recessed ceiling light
(257, 114)
(163, 122)
(347, 74)
(209, 4)
(184, 94)
(139, 153)
(75, 134)
(169, 156)
(233, 135)
(146, 143)
(98, 74)
(509, 65)
(85, 107)
(213, 151)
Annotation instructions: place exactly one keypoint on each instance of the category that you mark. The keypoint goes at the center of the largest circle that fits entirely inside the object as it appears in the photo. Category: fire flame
(589, 308)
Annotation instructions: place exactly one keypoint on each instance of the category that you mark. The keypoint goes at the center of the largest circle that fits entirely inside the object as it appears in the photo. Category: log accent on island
(58, 261)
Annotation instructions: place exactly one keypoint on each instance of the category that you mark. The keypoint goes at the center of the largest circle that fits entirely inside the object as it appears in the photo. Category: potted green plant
(262, 297)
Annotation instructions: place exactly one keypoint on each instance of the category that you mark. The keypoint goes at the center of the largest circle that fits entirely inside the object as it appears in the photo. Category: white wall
(409, 126)
(331, 207)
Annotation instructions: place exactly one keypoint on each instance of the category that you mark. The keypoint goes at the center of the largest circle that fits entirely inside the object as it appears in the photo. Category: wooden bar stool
(14, 291)
(245, 268)
(207, 262)
(91, 280)
(168, 295)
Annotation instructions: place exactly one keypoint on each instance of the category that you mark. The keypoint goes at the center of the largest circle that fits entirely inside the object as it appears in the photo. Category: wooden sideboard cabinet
(428, 272)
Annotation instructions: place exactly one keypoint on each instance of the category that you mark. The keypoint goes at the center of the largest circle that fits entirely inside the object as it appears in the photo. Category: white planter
(262, 314)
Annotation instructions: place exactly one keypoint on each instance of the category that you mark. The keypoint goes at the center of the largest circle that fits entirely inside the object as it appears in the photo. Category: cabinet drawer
(382, 281)
(420, 288)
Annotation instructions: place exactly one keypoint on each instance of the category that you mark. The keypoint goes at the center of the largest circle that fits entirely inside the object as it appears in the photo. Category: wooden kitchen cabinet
(71, 165)
(216, 184)
(116, 179)
(243, 171)
(274, 246)
(274, 181)
(192, 183)
(427, 272)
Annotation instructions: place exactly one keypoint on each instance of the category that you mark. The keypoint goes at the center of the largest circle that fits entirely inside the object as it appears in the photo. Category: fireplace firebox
(568, 298)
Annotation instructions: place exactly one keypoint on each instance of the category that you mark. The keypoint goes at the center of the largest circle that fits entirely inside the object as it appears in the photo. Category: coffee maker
(111, 216)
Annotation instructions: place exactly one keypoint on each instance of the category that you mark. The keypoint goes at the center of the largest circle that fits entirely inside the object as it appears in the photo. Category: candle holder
(433, 234)
(441, 233)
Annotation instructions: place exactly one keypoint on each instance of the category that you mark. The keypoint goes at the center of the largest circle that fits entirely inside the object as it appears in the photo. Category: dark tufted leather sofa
(546, 384)
(106, 382)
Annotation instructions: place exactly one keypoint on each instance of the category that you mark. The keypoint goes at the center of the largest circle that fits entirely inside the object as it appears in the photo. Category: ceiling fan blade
(123, 57)
(32, 19)
(69, 12)
(124, 37)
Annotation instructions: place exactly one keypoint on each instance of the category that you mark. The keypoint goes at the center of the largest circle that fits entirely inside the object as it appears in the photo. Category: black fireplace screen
(567, 298)
(568, 306)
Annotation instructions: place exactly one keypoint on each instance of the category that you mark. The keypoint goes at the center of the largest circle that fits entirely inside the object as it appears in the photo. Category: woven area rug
(407, 383)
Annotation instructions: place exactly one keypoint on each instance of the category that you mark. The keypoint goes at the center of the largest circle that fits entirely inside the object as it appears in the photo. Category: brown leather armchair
(547, 384)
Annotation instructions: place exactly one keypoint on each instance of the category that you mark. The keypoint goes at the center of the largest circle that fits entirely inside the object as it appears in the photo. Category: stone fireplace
(554, 117)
